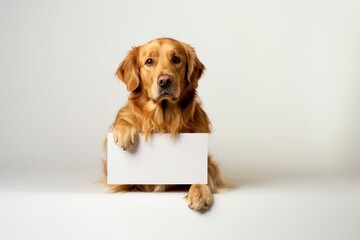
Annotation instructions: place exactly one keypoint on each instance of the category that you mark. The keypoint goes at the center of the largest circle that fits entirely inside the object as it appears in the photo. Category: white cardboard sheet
(161, 160)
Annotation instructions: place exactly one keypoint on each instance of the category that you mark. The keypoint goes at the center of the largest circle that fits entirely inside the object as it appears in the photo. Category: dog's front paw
(199, 197)
(125, 136)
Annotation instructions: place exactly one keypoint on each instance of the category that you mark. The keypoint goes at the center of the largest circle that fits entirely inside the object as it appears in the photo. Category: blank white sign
(160, 160)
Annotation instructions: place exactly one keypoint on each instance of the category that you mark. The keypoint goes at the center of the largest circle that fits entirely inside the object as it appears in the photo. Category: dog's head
(163, 68)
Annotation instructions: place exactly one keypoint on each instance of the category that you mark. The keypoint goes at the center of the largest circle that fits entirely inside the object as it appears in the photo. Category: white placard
(161, 160)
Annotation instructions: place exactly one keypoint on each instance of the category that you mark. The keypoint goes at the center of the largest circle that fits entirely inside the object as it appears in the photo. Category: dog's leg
(199, 197)
(125, 135)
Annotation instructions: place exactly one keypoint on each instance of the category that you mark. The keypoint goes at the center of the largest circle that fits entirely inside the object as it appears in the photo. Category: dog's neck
(165, 116)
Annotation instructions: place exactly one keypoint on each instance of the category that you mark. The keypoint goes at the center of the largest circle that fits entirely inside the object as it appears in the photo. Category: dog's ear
(195, 68)
(128, 71)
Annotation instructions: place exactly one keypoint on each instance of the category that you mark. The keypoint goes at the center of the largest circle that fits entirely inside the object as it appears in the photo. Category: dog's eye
(149, 62)
(175, 59)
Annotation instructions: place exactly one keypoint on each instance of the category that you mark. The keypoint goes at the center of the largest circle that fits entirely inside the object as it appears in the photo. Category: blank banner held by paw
(161, 160)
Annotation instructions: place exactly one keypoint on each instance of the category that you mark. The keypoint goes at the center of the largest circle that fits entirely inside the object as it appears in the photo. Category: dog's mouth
(166, 95)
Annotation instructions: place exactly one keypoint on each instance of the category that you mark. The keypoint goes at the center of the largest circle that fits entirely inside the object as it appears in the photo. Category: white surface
(308, 208)
(161, 160)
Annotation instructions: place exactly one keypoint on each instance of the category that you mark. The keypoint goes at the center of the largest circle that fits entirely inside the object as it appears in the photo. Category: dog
(162, 77)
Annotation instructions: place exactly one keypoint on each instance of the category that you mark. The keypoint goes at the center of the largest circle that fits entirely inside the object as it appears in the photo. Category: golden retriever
(162, 76)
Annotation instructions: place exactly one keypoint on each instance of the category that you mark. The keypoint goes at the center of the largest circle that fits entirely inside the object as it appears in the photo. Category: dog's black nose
(164, 81)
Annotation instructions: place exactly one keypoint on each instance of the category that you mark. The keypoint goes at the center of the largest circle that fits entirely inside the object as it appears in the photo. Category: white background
(281, 87)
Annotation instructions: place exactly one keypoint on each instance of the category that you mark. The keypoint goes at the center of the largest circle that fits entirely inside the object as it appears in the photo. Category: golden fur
(177, 109)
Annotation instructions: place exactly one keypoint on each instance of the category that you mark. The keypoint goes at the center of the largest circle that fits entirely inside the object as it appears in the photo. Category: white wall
(281, 87)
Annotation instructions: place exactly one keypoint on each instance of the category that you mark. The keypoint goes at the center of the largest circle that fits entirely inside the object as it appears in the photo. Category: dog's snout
(164, 81)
